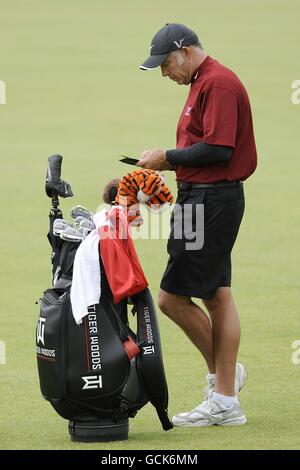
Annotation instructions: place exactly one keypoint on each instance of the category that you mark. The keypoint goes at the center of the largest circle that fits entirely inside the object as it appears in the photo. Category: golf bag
(99, 373)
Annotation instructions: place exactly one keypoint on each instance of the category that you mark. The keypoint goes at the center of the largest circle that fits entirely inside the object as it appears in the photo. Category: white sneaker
(241, 375)
(210, 413)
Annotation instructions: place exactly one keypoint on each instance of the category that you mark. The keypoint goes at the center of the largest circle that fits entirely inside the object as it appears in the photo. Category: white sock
(211, 378)
(224, 401)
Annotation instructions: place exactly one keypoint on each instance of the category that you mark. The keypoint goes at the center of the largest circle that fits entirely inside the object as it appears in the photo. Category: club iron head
(59, 225)
(80, 211)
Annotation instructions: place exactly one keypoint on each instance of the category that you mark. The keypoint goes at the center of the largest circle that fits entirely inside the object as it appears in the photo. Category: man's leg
(221, 407)
(192, 320)
(226, 338)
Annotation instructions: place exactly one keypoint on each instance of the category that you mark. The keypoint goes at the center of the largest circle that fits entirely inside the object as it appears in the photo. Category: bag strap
(131, 348)
(150, 361)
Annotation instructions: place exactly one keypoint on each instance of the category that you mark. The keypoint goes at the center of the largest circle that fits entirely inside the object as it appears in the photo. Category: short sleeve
(219, 117)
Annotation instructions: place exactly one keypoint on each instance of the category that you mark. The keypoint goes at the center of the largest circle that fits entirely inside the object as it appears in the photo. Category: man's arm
(199, 154)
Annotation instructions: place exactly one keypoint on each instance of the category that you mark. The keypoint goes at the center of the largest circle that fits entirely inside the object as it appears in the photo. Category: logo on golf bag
(43, 353)
(92, 381)
(92, 340)
(149, 332)
(148, 350)
(40, 331)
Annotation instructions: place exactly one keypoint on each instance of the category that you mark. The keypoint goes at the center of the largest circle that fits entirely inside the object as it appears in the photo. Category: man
(215, 153)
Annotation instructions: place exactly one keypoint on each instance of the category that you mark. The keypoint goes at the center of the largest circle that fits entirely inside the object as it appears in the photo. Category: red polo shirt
(217, 111)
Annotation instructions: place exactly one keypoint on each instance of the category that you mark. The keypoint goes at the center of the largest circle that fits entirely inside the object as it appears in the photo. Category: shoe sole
(231, 422)
(189, 425)
(234, 422)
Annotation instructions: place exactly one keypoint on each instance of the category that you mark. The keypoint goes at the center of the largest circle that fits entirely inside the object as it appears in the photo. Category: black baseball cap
(170, 38)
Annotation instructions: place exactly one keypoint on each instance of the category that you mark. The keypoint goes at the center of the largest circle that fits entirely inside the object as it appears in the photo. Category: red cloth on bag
(121, 264)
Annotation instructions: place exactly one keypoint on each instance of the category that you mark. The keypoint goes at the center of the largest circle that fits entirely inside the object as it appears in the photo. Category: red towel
(121, 264)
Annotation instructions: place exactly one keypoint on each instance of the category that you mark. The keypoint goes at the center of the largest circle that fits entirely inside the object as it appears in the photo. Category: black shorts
(199, 272)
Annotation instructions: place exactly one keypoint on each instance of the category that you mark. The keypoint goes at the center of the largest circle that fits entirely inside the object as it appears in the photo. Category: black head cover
(55, 185)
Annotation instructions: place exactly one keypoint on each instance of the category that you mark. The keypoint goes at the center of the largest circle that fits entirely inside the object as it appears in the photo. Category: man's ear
(187, 52)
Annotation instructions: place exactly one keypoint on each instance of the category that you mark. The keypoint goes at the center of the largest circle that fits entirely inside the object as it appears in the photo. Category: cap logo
(178, 44)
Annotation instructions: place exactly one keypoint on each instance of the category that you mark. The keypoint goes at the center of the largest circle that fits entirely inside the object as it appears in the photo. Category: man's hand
(154, 159)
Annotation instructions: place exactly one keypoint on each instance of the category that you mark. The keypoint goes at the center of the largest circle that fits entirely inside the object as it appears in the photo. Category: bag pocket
(49, 347)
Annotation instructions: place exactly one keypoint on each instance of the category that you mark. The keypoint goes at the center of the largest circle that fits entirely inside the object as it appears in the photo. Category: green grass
(73, 87)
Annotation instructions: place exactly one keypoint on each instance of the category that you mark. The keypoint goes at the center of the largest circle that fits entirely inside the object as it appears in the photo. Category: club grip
(54, 167)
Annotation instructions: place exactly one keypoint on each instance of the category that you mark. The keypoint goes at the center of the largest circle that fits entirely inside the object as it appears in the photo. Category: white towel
(86, 282)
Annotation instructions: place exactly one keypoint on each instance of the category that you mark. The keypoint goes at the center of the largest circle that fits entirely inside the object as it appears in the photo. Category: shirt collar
(203, 66)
